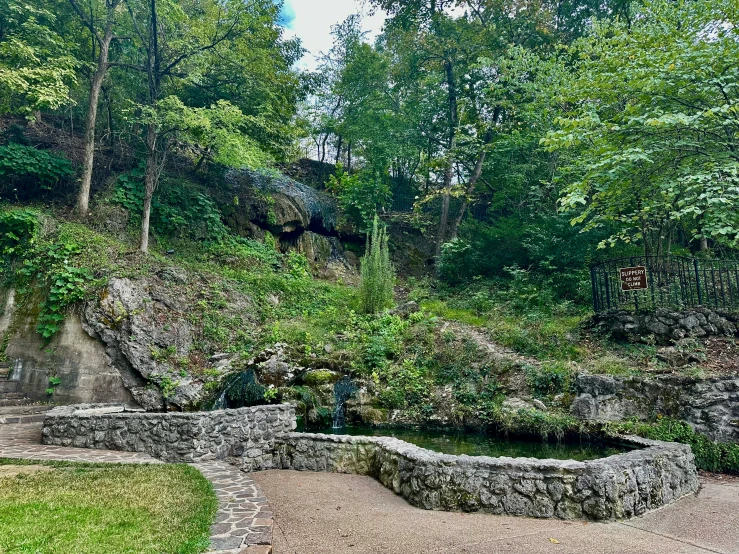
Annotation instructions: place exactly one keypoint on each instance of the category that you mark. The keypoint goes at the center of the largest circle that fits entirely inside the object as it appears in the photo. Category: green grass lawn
(69, 508)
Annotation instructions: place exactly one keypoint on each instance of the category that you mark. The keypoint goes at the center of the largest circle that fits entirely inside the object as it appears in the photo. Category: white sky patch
(313, 21)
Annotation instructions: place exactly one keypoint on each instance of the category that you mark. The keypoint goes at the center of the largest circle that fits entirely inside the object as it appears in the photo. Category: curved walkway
(244, 521)
(331, 513)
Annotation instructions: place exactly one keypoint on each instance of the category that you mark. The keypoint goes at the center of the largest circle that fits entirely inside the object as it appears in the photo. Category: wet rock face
(668, 325)
(295, 207)
(711, 405)
(300, 218)
(616, 487)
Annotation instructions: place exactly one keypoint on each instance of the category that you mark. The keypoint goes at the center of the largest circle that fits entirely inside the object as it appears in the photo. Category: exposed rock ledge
(711, 405)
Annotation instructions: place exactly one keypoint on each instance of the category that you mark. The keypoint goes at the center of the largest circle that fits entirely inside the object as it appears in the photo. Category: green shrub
(360, 195)
(549, 379)
(377, 273)
(482, 249)
(18, 229)
(179, 208)
(25, 170)
(720, 457)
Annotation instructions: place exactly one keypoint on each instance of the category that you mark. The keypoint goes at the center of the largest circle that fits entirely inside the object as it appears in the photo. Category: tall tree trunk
(83, 197)
(349, 157)
(151, 180)
(470, 188)
(338, 151)
(443, 222)
(451, 142)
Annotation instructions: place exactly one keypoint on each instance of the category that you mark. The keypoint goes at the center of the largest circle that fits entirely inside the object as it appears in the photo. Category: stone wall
(244, 437)
(711, 405)
(666, 325)
(616, 487)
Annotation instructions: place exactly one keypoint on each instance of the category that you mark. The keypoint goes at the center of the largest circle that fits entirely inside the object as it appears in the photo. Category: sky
(311, 21)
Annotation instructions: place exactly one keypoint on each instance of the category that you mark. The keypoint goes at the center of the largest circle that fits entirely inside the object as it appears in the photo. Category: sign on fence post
(633, 278)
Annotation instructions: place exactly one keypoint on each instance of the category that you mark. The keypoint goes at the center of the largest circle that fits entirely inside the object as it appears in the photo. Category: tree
(103, 37)
(37, 68)
(652, 132)
(173, 37)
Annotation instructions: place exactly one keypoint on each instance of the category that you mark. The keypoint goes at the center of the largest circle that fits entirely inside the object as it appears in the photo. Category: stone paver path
(244, 521)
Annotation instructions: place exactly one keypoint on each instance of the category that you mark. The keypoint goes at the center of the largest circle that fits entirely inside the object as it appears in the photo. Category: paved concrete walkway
(331, 513)
(244, 521)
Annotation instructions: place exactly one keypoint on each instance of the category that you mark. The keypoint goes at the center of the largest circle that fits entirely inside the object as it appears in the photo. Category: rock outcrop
(144, 326)
(710, 405)
(300, 218)
(666, 325)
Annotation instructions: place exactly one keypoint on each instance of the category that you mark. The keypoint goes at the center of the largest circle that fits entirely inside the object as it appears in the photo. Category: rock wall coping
(615, 487)
(244, 436)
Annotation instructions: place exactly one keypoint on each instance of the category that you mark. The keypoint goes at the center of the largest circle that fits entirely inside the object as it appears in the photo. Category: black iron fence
(648, 282)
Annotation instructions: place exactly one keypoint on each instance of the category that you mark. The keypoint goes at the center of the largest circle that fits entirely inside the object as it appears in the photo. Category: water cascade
(241, 389)
(343, 391)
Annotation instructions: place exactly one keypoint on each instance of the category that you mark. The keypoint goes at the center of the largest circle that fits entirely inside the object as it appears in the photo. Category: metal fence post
(595, 288)
(698, 282)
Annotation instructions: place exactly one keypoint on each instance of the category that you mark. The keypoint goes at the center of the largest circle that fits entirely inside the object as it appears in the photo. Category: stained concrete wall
(80, 361)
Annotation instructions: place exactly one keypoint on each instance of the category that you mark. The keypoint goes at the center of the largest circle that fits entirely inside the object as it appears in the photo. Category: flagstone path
(244, 521)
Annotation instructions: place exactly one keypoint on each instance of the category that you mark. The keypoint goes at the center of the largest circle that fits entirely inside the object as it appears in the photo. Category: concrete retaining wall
(244, 437)
(616, 487)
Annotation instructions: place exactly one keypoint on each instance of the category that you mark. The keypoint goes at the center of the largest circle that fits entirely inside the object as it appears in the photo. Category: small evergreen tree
(377, 273)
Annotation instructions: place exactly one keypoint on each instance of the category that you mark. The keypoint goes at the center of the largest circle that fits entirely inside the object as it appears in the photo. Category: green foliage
(536, 422)
(550, 379)
(648, 140)
(313, 414)
(215, 133)
(18, 230)
(377, 273)
(406, 386)
(37, 67)
(25, 170)
(179, 209)
(720, 457)
(53, 383)
(360, 195)
(50, 269)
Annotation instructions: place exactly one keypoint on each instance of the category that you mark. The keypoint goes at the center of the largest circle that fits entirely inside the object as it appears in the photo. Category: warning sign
(633, 278)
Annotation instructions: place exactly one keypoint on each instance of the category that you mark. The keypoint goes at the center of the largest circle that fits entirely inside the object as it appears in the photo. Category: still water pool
(478, 444)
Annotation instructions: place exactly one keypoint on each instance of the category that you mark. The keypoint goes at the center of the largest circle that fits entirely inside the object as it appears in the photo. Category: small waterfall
(220, 402)
(239, 390)
(343, 391)
(15, 375)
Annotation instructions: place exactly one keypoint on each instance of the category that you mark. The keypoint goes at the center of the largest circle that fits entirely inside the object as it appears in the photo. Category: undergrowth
(719, 457)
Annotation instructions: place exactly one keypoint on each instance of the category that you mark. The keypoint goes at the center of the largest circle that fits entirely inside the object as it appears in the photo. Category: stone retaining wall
(616, 487)
(711, 405)
(667, 325)
(245, 437)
